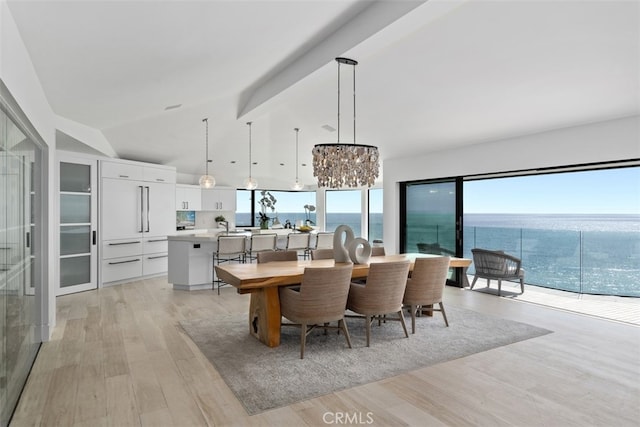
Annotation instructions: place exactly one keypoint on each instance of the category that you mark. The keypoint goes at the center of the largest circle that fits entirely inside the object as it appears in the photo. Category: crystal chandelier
(297, 185)
(250, 183)
(346, 165)
(207, 181)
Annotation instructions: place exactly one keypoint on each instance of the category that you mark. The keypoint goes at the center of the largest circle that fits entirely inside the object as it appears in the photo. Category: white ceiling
(431, 75)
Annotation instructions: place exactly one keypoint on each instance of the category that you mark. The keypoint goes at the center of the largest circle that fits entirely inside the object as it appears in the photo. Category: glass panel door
(19, 311)
(431, 218)
(78, 270)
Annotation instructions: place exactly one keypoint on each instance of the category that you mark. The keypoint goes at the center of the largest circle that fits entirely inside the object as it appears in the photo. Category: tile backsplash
(206, 219)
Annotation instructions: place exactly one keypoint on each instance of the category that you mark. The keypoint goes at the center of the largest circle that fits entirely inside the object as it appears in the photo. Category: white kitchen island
(191, 257)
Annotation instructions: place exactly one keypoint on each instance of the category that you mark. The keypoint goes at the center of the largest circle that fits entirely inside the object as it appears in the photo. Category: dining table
(262, 281)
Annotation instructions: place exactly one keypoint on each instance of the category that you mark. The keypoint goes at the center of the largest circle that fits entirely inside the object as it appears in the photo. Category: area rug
(263, 378)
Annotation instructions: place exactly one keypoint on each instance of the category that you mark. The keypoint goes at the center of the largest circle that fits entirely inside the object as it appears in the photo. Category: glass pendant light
(250, 183)
(207, 181)
(297, 185)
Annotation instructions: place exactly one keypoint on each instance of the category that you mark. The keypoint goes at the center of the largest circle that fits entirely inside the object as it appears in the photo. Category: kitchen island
(191, 256)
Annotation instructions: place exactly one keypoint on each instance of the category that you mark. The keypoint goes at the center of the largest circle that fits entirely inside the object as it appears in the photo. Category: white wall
(597, 142)
(18, 74)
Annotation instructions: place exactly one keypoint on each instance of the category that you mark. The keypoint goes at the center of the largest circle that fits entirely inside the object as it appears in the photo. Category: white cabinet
(219, 199)
(188, 197)
(137, 214)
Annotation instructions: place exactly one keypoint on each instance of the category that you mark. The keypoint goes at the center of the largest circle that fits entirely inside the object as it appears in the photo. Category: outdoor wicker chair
(497, 265)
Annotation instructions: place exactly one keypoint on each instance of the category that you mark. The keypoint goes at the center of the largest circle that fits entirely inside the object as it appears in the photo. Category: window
(244, 215)
(575, 231)
(290, 206)
(344, 207)
(375, 214)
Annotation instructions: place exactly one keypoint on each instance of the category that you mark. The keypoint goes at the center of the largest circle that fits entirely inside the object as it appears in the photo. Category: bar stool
(261, 243)
(299, 242)
(230, 248)
(324, 240)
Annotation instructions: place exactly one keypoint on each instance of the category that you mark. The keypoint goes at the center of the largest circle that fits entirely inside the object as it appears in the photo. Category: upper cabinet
(188, 197)
(219, 199)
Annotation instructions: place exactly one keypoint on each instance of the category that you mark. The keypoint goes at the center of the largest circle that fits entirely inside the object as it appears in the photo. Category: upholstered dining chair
(426, 286)
(320, 300)
(230, 248)
(322, 254)
(377, 251)
(261, 243)
(270, 256)
(324, 240)
(381, 295)
(299, 242)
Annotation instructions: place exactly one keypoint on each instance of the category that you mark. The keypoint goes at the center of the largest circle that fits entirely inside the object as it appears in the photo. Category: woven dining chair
(426, 286)
(381, 295)
(270, 256)
(320, 300)
(322, 254)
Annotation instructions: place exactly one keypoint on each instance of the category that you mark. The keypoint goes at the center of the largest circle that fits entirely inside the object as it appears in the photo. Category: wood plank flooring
(118, 358)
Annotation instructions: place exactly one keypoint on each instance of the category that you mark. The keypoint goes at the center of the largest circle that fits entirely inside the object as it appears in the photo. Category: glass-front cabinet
(78, 239)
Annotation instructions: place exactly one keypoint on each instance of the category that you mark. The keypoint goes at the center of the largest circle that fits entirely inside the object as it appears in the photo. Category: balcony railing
(591, 262)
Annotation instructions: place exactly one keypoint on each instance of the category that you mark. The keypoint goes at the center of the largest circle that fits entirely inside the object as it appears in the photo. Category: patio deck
(620, 309)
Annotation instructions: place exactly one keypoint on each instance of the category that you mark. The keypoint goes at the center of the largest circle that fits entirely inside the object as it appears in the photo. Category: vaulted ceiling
(431, 75)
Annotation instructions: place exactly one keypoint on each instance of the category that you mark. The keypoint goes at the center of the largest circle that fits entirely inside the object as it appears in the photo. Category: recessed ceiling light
(233, 162)
(172, 107)
(281, 164)
(304, 164)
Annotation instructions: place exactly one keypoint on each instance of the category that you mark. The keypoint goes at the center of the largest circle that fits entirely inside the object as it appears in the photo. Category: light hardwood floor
(117, 358)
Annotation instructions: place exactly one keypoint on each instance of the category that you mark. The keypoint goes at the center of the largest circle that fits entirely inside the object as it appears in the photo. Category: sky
(609, 191)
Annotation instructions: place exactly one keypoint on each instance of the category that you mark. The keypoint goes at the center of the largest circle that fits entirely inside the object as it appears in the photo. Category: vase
(264, 225)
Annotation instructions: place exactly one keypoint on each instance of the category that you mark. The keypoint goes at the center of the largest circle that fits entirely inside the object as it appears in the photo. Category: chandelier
(207, 181)
(250, 183)
(297, 185)
(346, 165)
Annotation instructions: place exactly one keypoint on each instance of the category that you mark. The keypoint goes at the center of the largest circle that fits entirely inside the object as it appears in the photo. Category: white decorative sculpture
(348, 251)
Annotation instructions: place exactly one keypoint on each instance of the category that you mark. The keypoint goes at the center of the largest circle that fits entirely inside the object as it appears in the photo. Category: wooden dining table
(263, 280)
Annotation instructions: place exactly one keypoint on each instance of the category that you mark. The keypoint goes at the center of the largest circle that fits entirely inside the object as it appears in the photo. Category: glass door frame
(456, 279)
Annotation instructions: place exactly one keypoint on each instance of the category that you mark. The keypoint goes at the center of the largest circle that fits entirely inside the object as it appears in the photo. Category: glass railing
(590, 262)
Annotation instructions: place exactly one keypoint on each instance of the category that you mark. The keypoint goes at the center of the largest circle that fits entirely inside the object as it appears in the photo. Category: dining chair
(426, 286)
(261, 243)
(298, 242)
(377, 251)
(321, 253)
(381, 294)
(324, 240)
(320, 300)
(270, 256)
(230, 248)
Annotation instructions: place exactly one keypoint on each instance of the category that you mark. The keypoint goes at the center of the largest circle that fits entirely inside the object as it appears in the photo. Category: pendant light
(250, 183)
(297, 185)
(346, 165)
(207, 181)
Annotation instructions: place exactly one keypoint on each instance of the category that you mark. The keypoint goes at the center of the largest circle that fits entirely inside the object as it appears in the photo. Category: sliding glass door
(431, 218)
(20, 223)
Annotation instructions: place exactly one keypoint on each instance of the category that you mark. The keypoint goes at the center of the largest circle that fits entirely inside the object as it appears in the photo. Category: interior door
(78, 225)
(431, 218)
